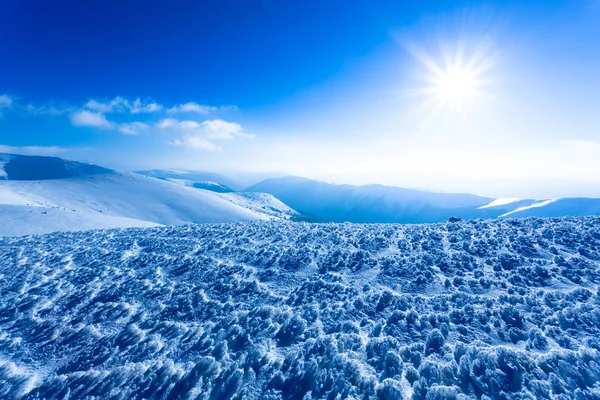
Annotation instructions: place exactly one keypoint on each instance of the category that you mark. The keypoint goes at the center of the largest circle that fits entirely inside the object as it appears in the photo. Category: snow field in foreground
(275, 310)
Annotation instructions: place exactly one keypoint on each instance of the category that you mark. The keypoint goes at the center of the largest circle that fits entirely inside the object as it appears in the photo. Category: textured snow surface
(503, 309)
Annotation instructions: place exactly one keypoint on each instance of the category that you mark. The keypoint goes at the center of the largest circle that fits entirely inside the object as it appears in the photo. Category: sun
(455, 80)
(456, 86)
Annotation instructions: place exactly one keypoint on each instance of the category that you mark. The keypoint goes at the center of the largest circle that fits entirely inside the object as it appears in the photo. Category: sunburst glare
(455, 80)
(455, 86)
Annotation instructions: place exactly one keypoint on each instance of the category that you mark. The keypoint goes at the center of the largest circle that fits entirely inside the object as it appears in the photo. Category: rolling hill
(75, 196)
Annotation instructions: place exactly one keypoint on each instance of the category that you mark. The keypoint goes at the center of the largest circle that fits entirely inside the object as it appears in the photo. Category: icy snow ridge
(502, 309)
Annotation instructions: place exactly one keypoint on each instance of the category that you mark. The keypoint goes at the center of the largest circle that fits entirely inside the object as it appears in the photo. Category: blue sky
(453, 96)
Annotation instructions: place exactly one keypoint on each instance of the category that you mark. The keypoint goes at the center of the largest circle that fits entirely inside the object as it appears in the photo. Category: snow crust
(496, 309)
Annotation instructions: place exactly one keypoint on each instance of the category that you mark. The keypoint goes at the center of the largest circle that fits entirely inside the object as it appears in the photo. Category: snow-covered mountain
(94, 197)
(71, 195)
(372, 203)
(482, 309)
(377, 203)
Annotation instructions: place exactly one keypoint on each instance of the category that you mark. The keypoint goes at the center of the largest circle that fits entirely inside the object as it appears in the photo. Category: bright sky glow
(456, 86)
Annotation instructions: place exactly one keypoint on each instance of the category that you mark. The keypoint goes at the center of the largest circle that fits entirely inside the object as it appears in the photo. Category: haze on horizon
(498, 100)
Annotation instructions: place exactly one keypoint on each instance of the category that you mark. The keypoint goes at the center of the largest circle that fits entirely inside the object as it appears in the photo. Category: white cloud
(138, 107)
(196, 143)
(173, 125)
(93, 113)
(219, 129)
(168, 124)
(49, 109)
(198, 135)
(5, 101)
(133, 128)
(32, 150)
(103, 107)
(121, 105)
(192, 108)
(89, 118)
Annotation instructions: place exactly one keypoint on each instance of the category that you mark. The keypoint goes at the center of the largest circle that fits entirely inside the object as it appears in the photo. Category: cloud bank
(143, 116)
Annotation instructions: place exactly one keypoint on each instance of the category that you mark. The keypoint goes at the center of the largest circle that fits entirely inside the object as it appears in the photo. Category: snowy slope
(263, 203)
(25, 220)
(84, 196)
(497, 309)
(129, 196)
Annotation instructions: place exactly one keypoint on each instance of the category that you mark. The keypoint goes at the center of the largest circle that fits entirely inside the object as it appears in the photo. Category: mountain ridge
(20, 167)
(168, 197)
(391, 204)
